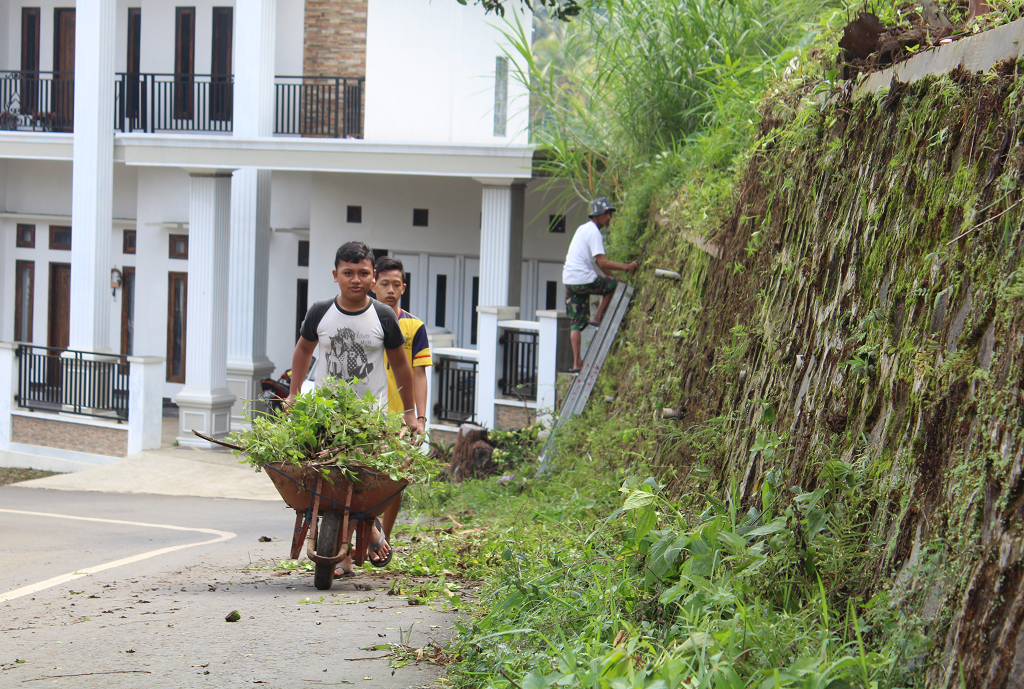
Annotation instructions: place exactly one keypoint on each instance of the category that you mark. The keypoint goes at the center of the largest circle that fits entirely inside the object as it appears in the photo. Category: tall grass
(634, 80)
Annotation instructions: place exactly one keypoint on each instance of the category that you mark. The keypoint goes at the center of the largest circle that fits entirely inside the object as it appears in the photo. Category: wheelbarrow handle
(217, 442)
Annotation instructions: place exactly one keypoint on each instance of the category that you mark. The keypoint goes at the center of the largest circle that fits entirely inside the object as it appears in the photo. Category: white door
(471, 297)
(550, 290)
(441, 291)
(414, 300)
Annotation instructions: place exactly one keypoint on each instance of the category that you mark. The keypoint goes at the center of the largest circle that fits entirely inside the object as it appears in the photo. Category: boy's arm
(403, 379)
(607, 266)
(419, 388)
(300, 367)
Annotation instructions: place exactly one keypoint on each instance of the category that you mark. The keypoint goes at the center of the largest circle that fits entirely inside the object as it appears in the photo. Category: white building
(210, 158)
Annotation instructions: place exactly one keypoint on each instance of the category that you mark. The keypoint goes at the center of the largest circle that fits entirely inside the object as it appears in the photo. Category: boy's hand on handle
(631, 267)
(288, 402)
(415, 425)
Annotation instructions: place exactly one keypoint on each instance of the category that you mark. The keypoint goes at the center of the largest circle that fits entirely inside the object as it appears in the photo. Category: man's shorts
(577, 300)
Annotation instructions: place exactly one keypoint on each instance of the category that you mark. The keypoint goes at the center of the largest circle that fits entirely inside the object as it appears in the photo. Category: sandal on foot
(375, 546)
(345, 571)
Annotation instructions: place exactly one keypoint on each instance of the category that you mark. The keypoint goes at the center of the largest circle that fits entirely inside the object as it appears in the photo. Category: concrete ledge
(50, 459)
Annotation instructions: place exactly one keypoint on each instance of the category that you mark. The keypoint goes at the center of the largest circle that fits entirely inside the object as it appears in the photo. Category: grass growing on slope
(595, 578)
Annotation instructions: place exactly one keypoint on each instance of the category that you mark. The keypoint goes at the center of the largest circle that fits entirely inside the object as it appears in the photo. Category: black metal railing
(64, 380)
(151, 102)
(319, 106)
(519, 369)
(163, 102)
(37, 101)
(456, 391)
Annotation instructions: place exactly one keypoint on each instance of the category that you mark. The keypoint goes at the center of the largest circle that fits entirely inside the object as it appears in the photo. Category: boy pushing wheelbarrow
(349, 469)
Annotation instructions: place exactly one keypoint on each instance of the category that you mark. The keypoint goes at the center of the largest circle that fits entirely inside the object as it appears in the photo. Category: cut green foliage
(333, 425)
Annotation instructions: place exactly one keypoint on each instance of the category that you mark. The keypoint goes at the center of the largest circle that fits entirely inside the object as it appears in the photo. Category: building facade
(174, 180)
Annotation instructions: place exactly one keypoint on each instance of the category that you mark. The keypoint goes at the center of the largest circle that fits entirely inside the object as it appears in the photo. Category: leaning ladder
(593, 361)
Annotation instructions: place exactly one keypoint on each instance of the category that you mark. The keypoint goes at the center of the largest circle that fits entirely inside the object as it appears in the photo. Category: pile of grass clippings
(332, 425)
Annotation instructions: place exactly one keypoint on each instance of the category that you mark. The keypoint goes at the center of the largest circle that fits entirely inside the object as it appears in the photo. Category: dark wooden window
(128, 242)
(301, 298)
(29, 59)
(420, 217)
(177, 316)
(177, 246)
(26, 236)
(60, 237)
(24, 283)
(184, 60)
(551, 298)
(128, 311)
(556, 223)
(303, 252)
(63, 89)
(220, 64)
(133, 61)
(355, 214)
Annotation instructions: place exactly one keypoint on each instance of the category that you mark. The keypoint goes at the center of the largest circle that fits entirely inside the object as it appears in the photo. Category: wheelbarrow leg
(299, 534)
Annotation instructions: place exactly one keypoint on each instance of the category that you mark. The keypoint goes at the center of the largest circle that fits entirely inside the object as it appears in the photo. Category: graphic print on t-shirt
(347, 359)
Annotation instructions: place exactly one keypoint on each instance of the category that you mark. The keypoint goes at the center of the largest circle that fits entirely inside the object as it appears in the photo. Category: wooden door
(63, 98)
(58, 319)
(220, 64)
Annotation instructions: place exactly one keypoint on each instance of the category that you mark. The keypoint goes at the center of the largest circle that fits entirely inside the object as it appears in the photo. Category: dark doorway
(64, 68)
(184, 60)
(133, 62)
(220, 64)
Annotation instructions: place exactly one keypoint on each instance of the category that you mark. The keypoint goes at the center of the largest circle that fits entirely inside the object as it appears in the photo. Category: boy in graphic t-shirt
(356, 334)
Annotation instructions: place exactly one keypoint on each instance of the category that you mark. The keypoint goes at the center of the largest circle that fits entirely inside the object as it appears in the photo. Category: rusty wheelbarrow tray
(342, 504)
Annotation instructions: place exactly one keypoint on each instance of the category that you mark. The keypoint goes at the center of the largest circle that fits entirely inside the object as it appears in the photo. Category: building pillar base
(244, 376)
(207, 411)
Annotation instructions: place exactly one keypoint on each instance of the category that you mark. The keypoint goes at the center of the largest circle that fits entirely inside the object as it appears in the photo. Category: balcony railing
(37, 101)
(152, 102)
(519, 369)
(64, 380)
(456, 394)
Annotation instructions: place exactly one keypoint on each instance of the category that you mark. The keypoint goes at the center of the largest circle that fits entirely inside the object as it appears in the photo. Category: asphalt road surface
(127, 590)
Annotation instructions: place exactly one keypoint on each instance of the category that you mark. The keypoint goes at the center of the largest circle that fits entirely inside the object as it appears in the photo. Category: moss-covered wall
(870, 294)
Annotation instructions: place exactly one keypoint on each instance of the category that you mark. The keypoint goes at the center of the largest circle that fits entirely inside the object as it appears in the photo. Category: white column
(92, 176)
(547, 363)
(145, 402)
(247, 361)
(249, 270)
(8, 388)
(253, 111)
(490, 359)
(205, 402)
(501, 243)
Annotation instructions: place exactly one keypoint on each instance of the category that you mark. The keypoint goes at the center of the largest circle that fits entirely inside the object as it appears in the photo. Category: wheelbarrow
(342, 504)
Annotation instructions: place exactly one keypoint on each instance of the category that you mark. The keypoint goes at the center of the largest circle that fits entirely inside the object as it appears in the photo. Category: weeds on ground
(695, 593)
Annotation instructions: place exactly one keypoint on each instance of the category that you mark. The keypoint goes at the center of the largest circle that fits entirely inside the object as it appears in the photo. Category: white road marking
(77, 574)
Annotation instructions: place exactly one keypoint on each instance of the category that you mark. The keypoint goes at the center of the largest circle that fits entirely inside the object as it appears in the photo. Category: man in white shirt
(585, 273)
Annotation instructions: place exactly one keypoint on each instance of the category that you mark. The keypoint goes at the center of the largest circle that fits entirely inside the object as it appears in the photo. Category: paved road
(115, 599)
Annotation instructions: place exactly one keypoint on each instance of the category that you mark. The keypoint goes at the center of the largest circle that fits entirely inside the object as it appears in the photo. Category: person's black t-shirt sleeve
(393, 336)
(312, 320)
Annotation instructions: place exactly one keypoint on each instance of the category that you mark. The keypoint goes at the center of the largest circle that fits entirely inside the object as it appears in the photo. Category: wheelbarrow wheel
(327, 546)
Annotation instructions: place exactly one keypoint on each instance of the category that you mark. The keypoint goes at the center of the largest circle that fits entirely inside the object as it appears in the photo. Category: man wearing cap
(586, 272)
